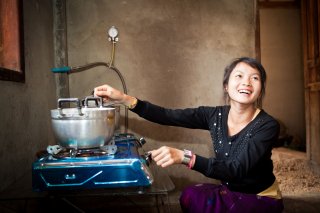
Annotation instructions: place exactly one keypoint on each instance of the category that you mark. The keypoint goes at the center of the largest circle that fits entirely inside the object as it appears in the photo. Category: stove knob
(142, 141)
(148, 158)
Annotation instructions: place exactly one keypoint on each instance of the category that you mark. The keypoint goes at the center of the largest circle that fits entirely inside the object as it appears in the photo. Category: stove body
(126, 168)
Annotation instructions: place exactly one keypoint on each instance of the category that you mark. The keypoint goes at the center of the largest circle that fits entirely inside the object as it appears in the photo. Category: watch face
(187, 153)
(113, 32)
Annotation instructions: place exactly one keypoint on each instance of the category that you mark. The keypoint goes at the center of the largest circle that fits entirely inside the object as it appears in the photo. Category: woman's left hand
(166, 156)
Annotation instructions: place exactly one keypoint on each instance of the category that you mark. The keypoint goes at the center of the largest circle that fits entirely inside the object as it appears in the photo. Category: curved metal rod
(95, 64)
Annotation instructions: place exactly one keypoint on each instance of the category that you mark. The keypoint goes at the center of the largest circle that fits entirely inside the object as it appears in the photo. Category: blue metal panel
(124, 169)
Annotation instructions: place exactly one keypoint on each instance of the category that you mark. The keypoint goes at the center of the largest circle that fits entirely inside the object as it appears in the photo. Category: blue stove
(127, 167)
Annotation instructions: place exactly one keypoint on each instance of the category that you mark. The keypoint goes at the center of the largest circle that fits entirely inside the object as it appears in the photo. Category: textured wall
(24, 109)
(171, 53)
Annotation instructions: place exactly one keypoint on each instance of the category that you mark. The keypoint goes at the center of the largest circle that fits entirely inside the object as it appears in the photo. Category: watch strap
(186, 157)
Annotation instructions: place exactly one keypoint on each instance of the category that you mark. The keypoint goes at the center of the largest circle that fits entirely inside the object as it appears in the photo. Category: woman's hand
(166, 156)
(111, 95)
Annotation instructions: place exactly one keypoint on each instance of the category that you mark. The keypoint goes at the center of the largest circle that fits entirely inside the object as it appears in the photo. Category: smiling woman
(242, 134)
(11, 37)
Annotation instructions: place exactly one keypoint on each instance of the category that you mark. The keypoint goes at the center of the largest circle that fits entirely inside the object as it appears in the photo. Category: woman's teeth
(244, 91)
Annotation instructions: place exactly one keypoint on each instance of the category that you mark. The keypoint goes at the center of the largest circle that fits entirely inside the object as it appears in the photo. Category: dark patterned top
(243, 161)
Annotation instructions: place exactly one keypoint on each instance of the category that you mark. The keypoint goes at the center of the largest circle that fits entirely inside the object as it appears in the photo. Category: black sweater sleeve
(194, 118)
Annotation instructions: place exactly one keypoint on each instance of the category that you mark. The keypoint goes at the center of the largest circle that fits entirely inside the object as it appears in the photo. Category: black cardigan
(243, 161)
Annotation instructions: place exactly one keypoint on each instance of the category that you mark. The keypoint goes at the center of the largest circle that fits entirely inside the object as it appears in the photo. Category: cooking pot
(83, 127)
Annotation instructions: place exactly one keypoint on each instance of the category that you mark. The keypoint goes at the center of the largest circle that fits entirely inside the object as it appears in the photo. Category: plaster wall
(171, 53)
(24, 109)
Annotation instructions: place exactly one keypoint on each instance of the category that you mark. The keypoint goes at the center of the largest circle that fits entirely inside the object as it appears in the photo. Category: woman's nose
(246, 82)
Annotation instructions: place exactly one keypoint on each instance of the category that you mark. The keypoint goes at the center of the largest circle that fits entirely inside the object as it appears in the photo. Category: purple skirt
(219, 199)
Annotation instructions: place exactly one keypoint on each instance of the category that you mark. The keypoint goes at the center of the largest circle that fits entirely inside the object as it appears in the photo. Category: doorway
(282, 56)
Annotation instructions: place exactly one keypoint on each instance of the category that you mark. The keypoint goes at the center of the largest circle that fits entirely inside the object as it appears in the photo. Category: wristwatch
(186, 157)
(133, 104)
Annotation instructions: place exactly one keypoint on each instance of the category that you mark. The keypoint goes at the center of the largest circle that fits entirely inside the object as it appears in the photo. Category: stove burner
(80, 153)
(59, 152)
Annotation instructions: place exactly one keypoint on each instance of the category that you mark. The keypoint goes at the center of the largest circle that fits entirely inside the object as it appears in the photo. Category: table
(21, 191)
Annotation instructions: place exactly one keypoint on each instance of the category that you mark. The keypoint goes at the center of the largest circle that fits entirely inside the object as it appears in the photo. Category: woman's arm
(195, 118)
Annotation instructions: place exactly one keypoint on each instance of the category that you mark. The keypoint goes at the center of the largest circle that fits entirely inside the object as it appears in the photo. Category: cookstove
(121, 163)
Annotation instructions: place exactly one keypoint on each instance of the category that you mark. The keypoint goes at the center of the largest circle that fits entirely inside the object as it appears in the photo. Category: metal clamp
(55, 149)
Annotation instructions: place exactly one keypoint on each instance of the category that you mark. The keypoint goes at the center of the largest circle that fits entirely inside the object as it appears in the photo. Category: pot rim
(82, 113)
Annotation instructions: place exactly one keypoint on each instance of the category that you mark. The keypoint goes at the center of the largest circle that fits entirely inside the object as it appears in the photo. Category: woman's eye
(256, 78)
(238, 76)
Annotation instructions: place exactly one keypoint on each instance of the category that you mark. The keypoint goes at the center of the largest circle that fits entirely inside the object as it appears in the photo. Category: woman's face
(244, 85)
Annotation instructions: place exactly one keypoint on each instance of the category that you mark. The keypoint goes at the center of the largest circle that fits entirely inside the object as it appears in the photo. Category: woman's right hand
(167, 156)
(111, 95)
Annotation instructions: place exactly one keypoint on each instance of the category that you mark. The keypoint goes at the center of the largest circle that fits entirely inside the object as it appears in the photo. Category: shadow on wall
(289, 141)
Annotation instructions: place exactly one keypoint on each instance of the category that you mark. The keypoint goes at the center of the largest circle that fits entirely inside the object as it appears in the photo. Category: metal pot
(83, 127)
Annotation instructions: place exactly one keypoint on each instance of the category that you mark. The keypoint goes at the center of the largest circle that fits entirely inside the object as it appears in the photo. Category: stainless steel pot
(83, 127)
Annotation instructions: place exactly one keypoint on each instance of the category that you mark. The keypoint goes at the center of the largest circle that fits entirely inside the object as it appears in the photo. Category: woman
(242, 135)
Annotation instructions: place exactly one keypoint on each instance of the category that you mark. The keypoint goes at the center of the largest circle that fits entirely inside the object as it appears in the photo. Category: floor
(304, 203)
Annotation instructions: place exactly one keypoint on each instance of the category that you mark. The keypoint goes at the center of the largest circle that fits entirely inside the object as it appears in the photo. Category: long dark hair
(252, 63)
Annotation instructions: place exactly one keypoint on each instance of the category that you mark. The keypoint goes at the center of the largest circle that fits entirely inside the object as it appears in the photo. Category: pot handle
(98, 101)
(69, 100)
